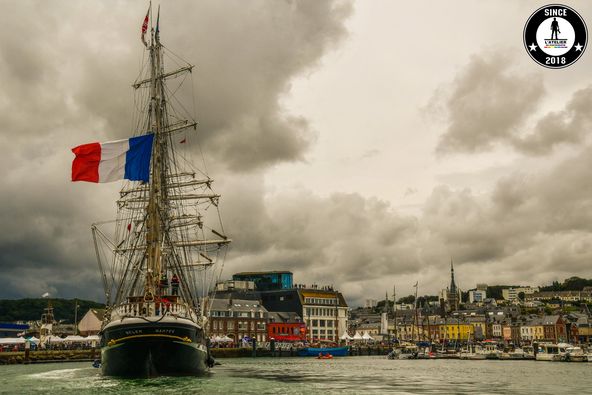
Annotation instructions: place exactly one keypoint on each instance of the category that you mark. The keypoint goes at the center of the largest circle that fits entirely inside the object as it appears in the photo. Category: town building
(267, 281)
(322, 309)
(238, 319)
(370, 303)
(564, 296)
(235, 285)
(285, 327)
(91, 322)
(554, 329)
(450, 298)
(512, 294)
(477, 296)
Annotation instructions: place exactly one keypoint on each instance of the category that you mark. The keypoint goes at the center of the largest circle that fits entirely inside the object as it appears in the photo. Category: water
(368, 375)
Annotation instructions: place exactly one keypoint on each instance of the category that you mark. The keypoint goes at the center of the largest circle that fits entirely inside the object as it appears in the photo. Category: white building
(477, 296)
(325, 314)
(512, 293)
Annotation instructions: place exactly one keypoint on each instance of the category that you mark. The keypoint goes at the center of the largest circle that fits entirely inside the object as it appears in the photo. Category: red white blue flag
(115, 160)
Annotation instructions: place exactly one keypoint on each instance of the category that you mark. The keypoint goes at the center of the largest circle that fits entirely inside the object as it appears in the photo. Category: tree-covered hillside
(31, 309)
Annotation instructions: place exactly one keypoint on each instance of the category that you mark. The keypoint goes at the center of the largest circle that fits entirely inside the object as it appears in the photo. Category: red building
(285, 327)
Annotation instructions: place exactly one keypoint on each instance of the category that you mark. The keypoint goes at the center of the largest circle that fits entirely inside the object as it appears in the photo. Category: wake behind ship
(168, 236)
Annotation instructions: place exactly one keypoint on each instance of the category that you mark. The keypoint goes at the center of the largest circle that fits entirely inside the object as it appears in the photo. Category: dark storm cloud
(486, 104)
(67, 70)
(341, 239)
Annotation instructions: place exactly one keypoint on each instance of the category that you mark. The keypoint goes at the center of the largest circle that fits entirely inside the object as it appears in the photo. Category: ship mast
(154, 236)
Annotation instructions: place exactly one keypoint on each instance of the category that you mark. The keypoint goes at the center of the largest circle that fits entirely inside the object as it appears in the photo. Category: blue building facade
(267, 281)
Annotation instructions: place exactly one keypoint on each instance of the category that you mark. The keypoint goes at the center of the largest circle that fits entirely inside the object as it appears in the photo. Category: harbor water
(351, 375)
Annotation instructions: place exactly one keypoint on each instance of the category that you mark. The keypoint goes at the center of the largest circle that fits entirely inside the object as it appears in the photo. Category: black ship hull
(152, 349)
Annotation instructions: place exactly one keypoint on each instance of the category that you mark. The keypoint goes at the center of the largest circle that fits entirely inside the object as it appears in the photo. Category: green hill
(31, 309)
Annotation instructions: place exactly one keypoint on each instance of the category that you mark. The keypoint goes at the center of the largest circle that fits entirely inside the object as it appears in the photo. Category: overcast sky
(360, 144)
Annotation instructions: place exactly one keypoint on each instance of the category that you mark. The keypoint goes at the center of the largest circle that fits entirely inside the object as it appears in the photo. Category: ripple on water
(368, 375)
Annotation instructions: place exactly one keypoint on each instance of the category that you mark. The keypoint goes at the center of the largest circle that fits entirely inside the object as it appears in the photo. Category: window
(321, 323)
(252, 325)
(230, 325)
(242, 326)
(215, 325)
(261, 326)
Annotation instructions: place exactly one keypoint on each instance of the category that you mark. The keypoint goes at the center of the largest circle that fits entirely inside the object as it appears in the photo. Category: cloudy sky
(360, 144)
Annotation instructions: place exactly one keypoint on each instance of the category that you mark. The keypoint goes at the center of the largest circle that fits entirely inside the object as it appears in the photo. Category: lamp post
(75, 316)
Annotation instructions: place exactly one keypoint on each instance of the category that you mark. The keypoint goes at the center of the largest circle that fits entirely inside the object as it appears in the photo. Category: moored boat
(316, 351)
(548, 352)
(574, 354)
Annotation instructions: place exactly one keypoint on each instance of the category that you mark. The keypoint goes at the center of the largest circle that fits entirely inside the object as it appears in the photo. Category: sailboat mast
(395, 312)
(154, 232)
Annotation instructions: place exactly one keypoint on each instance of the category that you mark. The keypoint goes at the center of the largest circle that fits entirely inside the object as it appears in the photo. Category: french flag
(115, 160)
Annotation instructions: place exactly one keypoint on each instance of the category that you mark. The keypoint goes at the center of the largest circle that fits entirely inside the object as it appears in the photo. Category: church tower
(453, 294)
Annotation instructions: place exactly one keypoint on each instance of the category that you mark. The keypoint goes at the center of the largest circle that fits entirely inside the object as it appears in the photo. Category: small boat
(548, 352)
(477, 353)
(404, 351)
(315, 351)
(325, 356)
(575, 354)
(516, 354)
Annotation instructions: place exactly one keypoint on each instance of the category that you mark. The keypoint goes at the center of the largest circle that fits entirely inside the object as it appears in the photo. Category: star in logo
(578, 47)
(532, 47)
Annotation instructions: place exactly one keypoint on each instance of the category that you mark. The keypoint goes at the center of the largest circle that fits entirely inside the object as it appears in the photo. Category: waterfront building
(584, 329)
(532, 330)
(372, 328)
(494, 328)
(479, 325)
(238, 319)
(267, 281)
(456, 330)
(323, 309)
(554, 329)
(285, 327)
(91, 322)
(325, 312)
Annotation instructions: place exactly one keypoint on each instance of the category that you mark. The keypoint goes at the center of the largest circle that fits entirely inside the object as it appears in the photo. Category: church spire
(452, 283)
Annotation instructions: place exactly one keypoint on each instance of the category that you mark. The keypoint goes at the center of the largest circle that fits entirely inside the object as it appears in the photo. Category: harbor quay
(266, 314)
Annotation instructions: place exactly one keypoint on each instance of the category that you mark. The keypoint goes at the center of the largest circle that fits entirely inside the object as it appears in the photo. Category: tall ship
(160, 256)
